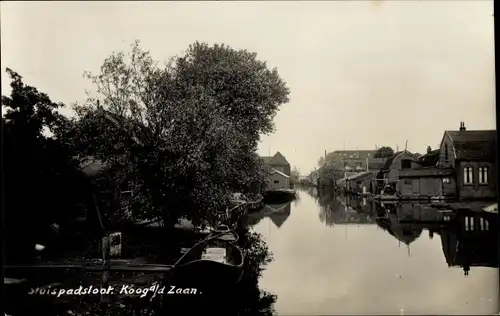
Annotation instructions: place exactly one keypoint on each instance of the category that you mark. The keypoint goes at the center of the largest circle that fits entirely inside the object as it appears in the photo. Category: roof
(426, 172)
(473, 145)
(430, 159)
(277, 159)
(390, 160)
(279, 172)
(266, 159)
(360, 175)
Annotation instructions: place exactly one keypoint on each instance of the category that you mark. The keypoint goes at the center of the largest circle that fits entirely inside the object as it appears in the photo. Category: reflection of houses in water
(338, 211)
(465, 246)
(406, 233)
(360, 204)
(277, 213)
(409, 212)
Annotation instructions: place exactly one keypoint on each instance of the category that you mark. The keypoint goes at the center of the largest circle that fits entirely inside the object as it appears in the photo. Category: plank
(98, 268)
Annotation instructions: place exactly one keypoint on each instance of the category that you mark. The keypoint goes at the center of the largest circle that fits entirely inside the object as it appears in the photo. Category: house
(277, 162)
(278, 180)
(401, 160)
(472, 157)
(389, 174)
(361, 183)
(427, 181)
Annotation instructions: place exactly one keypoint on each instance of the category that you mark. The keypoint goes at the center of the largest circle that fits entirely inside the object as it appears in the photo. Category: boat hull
(205, 285)
(278, 196)
(193, 270)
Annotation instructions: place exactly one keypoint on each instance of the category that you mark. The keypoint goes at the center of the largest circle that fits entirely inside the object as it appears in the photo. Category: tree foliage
(186, 134)
(42, 180)
(384, 152)
(295, 175)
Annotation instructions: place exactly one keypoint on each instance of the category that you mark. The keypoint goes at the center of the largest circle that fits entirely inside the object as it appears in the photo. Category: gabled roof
(279, 172)
(472, 145)
(390, 160)
(266, 159)
(277, 159)
(430, 159)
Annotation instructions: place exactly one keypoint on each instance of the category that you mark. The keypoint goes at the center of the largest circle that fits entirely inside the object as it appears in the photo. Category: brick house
(472, 157)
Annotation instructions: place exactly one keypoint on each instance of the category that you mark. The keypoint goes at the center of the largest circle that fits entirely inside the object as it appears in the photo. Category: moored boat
(206, 275)
(215, 261)
(279, 196)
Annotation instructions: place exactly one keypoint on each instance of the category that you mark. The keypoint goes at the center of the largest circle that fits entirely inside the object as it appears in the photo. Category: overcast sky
(361, 73)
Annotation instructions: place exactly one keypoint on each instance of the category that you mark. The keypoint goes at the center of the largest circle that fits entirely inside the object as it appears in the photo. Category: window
(408, 181)
(276, 181)
(467, 175)
(446, 180)
(406, 164)
(483, 175)
(446, 153)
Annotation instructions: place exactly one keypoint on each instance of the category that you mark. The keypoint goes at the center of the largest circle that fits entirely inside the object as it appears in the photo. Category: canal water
(330, 258)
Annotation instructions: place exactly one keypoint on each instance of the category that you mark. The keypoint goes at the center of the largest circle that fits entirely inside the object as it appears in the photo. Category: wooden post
(105, 265)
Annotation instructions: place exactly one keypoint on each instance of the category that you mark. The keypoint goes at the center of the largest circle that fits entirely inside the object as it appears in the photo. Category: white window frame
(483, 175)
(468, 175)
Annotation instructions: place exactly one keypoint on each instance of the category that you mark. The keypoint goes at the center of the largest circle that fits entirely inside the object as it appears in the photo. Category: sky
(361, 73)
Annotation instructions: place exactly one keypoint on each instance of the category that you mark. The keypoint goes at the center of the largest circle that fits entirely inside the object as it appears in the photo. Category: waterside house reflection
(337, 209)
(465, 246)
(471, 246)
(405, 233)
(277, 213)
(410, 212)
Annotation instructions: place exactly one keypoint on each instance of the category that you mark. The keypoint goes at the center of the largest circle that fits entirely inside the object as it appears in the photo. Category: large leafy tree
(41, 177)
(185, 133)
(384, 152)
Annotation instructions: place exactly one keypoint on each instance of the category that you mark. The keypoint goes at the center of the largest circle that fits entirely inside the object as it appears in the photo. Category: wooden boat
(279, 196)
(214, 262)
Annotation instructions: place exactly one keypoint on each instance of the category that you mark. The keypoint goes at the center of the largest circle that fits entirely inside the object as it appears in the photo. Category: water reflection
(277, 213)
(402, 248)
(337, 209)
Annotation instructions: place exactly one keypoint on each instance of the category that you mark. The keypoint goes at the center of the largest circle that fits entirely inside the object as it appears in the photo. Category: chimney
(462, 126)
(429, 149)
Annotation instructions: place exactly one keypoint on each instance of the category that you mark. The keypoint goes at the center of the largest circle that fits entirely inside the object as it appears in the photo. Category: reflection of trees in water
(313, 192)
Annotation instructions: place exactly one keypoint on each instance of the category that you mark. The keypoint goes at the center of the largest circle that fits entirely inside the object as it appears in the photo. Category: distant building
(277, 162)
(350, 160)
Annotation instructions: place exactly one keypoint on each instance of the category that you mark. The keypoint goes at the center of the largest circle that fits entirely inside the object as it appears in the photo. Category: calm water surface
(367, 266)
